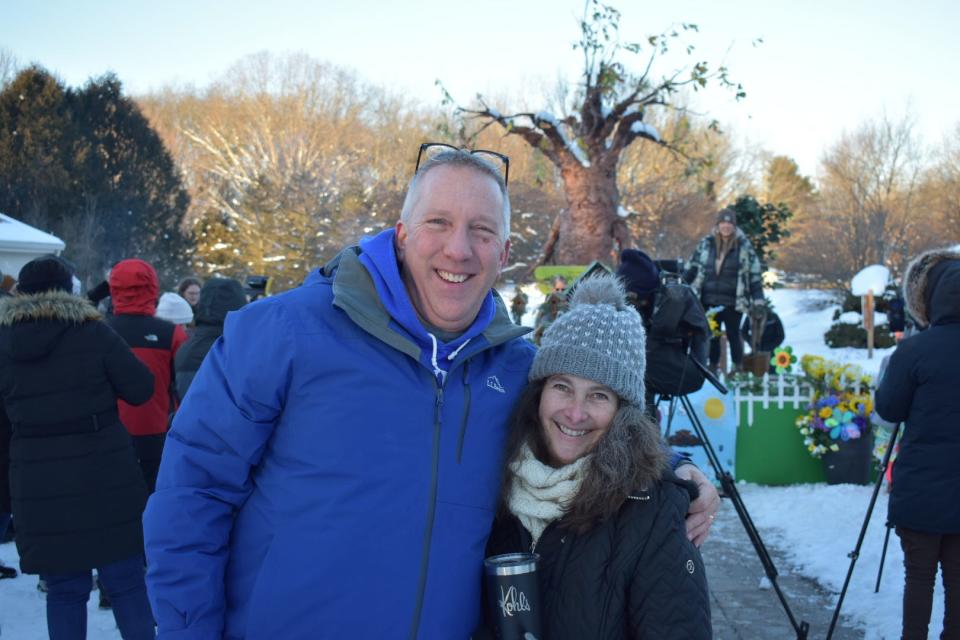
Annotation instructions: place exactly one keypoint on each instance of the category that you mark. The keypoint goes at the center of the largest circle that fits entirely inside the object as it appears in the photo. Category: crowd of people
(337, 461)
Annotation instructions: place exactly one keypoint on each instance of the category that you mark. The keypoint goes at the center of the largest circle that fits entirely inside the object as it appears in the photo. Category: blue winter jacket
(321, 480)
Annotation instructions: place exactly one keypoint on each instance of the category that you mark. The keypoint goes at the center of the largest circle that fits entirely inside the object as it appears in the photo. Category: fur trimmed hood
(47, 305)
(31, 325)
(930, 289)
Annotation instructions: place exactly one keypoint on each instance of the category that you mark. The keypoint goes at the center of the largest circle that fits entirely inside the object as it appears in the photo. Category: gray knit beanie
(600, 338)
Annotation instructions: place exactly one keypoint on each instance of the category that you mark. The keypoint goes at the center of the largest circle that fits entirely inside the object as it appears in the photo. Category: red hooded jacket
(134, 290)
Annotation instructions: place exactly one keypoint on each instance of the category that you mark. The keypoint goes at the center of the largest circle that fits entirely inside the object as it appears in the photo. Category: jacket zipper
(466, 409)
(431, 512)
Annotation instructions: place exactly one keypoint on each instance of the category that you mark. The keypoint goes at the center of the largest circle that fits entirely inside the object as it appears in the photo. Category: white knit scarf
(540, 493)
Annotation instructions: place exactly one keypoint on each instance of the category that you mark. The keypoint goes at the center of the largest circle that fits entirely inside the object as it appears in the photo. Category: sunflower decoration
(782, 359)
(715, 331)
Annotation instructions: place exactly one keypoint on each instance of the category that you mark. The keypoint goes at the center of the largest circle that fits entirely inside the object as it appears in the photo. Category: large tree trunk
(589, 227)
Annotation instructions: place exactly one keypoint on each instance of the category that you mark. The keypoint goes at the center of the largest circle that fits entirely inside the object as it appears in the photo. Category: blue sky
(824, 66)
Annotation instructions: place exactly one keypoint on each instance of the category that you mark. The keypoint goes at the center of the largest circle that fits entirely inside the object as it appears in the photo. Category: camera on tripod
(257, 287)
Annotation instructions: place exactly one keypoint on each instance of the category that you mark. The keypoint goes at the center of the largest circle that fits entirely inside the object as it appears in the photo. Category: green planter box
(770, 449)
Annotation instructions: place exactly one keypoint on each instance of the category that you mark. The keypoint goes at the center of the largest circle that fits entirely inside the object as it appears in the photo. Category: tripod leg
(883, 556)
(853, 555)
(730, 489)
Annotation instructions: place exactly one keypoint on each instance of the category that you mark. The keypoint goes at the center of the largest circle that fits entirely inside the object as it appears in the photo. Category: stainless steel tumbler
(514, 595)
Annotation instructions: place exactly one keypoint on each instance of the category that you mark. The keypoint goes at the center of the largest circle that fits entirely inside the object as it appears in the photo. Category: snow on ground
(816, 526)
(23, 613)
(806, 315)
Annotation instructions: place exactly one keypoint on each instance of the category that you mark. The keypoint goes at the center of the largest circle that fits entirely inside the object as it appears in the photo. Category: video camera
(677, 334)
(257, 287)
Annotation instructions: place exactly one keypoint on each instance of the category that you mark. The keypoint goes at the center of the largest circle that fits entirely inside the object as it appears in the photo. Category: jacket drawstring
(458, 349)
(437, 371)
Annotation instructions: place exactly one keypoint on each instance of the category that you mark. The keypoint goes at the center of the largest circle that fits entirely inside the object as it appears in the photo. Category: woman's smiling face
(575, 413)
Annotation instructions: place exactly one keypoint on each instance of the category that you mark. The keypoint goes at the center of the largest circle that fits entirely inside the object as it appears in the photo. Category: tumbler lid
(511, 564)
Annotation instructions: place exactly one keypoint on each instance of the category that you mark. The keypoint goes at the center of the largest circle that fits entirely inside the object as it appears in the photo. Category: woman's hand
(704, 509)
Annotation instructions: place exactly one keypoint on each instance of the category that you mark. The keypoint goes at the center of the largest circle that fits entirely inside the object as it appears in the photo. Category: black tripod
(853, 555)
(730, 490)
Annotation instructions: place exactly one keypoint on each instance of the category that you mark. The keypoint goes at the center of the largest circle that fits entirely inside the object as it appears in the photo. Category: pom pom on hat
(600, 338)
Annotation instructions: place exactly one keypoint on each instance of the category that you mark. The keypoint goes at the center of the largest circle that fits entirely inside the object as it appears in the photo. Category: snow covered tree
(586, 144)
(290, 160)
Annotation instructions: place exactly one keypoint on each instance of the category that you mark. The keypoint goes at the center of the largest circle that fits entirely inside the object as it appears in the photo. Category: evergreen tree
(763, 224)
(128, 180)
(36, 142)
(86, 166)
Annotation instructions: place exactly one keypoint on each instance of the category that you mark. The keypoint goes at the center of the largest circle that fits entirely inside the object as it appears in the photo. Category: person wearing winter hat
(728, 276)
(676, 326)
(134, 291)
(172, 308)
(641, 277)
(919, 388)
(373, 398)
(218, 297)
(587, 486)
(77, 491)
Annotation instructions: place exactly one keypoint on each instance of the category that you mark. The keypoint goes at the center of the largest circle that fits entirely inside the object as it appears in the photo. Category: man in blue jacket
(334, 471)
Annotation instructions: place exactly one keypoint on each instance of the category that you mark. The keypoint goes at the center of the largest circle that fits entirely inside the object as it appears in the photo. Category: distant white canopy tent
(20, 243)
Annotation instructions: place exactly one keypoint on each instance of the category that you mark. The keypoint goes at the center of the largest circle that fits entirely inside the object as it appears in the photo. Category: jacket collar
(47, 305)
(356, 294)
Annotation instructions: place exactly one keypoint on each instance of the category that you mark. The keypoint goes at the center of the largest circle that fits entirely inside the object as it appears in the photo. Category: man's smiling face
(453, 246)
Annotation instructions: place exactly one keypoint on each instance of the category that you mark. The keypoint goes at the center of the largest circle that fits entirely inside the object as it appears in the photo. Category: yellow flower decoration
(782, 359)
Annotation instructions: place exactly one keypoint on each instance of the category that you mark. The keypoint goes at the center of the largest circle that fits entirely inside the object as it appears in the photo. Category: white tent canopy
(20, 243)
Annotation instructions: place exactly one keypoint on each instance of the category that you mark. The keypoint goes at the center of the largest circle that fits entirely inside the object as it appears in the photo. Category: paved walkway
(742, 609)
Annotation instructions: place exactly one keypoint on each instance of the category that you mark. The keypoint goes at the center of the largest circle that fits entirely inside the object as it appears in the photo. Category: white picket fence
(781, 391)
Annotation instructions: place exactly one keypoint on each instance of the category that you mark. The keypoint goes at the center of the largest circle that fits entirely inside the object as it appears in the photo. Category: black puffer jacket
(920, 388)
(218, 297)
(78, 492)
(634, 576)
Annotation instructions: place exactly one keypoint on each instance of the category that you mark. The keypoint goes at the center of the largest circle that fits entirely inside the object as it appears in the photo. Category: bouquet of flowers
(841, 407)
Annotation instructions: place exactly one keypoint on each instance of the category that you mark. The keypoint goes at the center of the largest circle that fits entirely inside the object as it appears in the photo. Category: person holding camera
(919, 389)
(676, 326)
(587, 486)
(729, 276)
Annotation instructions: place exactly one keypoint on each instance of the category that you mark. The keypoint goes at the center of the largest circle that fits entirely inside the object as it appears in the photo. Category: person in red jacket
(134, 290)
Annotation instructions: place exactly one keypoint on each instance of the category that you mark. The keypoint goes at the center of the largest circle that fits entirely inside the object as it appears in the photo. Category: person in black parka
(218, 297)
(586, 487)
(77, 490)
(919, 388)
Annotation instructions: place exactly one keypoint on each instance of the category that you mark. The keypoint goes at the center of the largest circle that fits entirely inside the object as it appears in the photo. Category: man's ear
(505, 255)
(401, 239)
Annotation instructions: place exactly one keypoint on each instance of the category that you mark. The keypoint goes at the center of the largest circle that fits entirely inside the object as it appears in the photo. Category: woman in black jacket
(919, 388)
(77, 490)
(587, 488)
